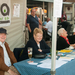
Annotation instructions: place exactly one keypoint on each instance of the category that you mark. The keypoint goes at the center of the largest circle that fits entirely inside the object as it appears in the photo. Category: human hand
(39, 50)
(73, 45)
(30, 31)
(11, 72)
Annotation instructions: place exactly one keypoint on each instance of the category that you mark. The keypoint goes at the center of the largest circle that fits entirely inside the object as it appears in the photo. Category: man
(49, 28)
(64, 23)
(63, 15)
(6, 56)
(32, 22)
(45, 22)
(72, 37)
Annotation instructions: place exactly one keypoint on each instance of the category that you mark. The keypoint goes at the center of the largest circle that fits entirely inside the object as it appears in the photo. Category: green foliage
(51, 52)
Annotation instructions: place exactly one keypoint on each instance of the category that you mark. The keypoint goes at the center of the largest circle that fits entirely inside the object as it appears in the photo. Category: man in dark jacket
(32, 23)
(64, 23)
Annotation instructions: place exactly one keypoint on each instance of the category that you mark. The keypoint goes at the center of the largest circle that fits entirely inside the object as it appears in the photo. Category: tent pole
(73, 14)
(54, 38)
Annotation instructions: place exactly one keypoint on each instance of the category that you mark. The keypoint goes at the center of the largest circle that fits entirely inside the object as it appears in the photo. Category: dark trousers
(30, 35)
(17, 52)
(48, 37)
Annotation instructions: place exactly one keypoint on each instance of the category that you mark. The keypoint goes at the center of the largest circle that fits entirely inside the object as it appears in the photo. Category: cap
(2, 30)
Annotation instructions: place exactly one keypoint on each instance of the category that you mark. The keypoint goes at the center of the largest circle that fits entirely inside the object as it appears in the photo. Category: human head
(45, 19)
(26, 10)
(64, 13)
(3, 33)
(63, 18)
(74, 31)
(57, 19)
(33, 12)
(37, 13)
(38, 34)
(48, 19)
(62, 32)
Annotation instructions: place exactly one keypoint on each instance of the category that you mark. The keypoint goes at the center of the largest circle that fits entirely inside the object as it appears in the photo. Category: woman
(38, 45)
(63, 41)
(40, 22)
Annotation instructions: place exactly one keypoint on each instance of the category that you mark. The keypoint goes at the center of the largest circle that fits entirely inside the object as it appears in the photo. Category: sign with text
(5, 16)
(16, 10)
(58, 8)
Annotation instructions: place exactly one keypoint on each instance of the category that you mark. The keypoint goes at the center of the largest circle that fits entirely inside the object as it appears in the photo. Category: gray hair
(37, 13)
(32, 9)
(60, 31)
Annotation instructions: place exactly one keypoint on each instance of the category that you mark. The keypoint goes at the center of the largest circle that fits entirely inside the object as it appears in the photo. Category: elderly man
(49, 28)
(62, 41)
(32, 22)
(6, 56)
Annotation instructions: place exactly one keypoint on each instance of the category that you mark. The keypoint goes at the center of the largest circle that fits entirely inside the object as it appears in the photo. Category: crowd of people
(36, 41)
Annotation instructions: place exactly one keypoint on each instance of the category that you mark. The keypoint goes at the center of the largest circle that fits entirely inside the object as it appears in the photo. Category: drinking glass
(30, 54)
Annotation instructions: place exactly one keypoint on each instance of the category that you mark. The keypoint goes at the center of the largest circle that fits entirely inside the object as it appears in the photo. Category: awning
(53, 0)
(44, 0)
(69, 0)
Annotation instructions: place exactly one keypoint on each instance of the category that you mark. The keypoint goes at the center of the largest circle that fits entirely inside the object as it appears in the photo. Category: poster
(5, 14)
(58, 8)
(16, 10)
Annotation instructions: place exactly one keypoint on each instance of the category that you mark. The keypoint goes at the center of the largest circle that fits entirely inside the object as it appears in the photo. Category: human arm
(60, 23)
(11, 54)
(66, 17)
(44, 47)
(40, 22)
(29, 28)
(46, 27)
(73, 45)
(11, 72)
(3, 66)
(33, 45)
(28, 24)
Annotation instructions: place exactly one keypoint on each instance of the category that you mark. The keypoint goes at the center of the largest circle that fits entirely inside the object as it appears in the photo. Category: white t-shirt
(49, 26)
(6, 57)
(38, 45)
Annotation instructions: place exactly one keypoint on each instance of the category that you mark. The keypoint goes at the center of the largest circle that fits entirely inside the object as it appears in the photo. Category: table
(25, 69)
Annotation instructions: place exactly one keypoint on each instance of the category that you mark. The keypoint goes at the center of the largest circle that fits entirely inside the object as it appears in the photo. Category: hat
(2, 30)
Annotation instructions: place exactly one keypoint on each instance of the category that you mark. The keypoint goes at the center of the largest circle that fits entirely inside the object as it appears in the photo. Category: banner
(5, 14)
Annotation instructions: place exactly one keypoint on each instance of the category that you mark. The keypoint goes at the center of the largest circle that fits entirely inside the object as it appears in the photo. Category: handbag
(40, 56)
